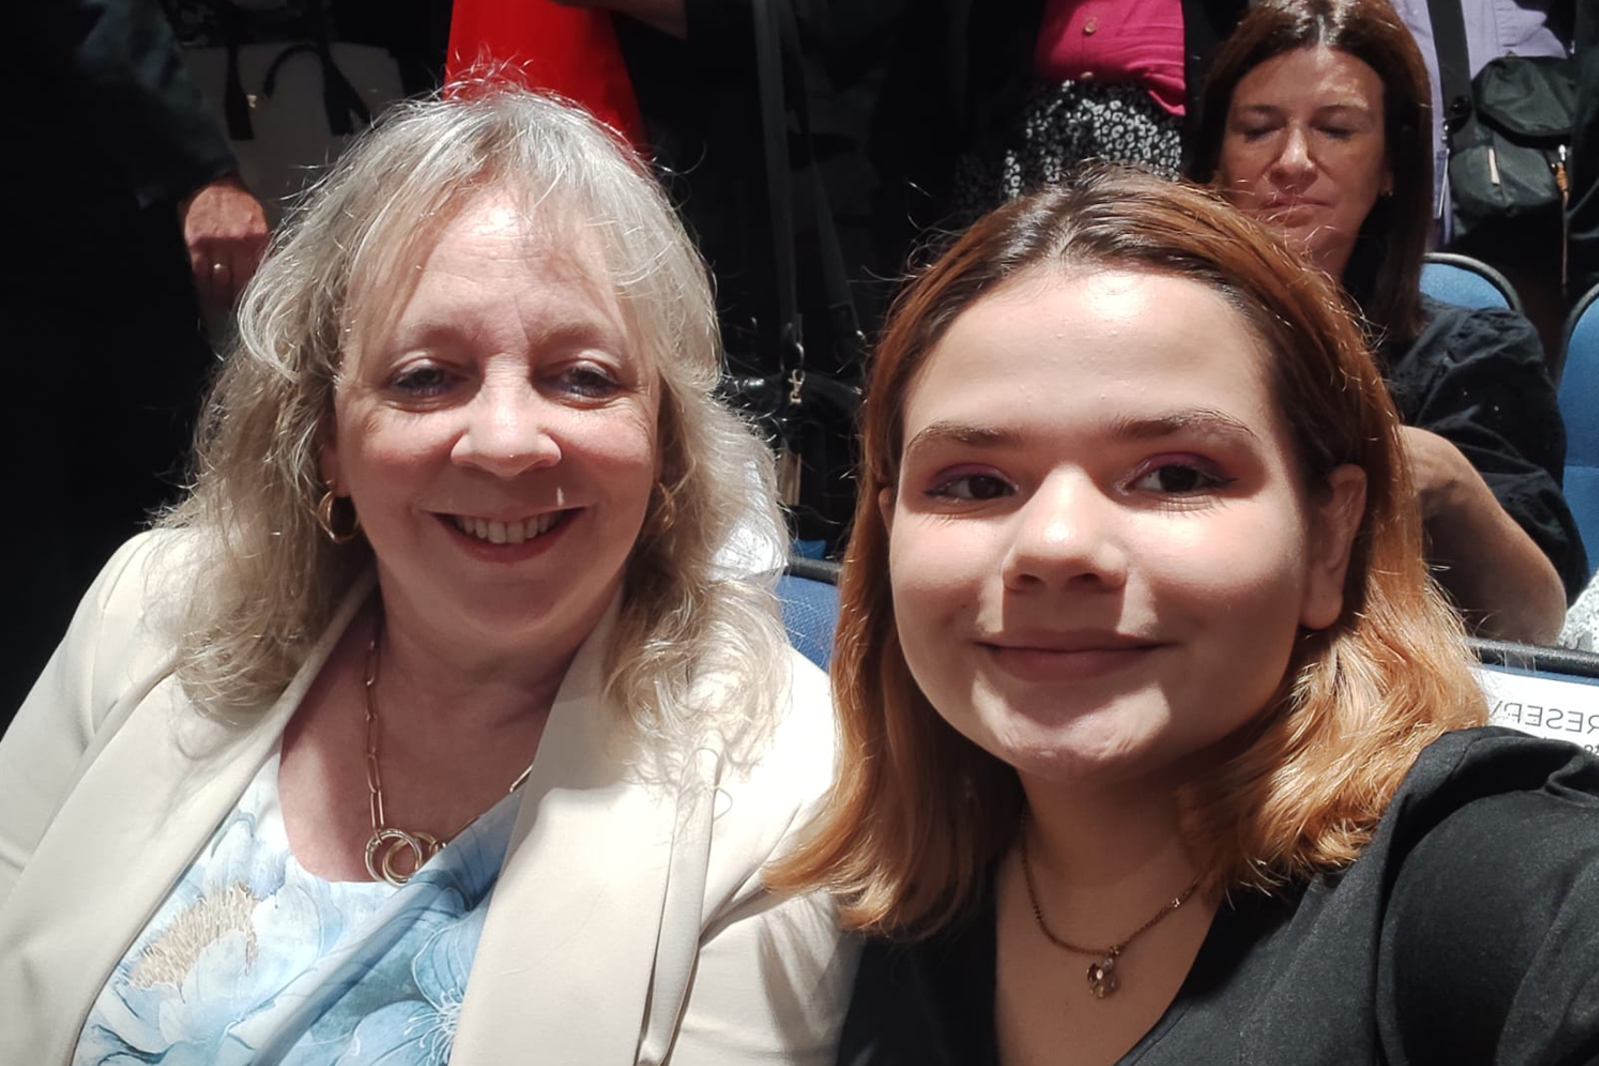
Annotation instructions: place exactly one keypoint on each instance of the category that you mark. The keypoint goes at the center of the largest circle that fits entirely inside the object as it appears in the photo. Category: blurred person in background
(1315, 119)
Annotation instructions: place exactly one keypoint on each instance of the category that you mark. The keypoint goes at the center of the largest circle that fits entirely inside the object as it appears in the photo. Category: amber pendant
(1102, 977)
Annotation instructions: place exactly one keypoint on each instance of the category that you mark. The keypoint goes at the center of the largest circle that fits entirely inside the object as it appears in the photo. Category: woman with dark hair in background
(1159, 741)
(1315, 119)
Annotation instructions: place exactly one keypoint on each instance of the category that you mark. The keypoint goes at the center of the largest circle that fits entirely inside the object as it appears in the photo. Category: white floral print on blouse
(253, 959)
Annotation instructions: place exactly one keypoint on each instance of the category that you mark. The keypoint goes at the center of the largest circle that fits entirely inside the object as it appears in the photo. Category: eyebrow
(1273, 110)
(1206, 421)
(442, 331)
(946, 430)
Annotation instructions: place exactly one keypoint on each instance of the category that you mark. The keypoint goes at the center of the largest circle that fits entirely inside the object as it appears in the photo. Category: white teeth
(503, 532)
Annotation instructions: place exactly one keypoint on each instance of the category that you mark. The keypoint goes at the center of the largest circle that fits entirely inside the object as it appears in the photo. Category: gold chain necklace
(387, 841)
(1102, 980)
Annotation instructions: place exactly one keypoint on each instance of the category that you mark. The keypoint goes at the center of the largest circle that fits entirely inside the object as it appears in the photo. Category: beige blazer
(628, 924)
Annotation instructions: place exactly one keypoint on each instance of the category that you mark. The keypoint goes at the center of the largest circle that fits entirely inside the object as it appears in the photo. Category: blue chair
(1466, 282)
(1579, 408)
(808, 592)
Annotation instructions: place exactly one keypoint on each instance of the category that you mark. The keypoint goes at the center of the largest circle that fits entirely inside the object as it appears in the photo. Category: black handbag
(1508, 159)
(1509, 133)
(808, 415)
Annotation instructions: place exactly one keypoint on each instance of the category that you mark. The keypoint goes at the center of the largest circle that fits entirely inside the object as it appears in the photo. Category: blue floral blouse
(252, 959)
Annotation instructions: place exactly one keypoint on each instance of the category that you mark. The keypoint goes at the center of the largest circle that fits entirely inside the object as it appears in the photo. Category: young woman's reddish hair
(919, 813)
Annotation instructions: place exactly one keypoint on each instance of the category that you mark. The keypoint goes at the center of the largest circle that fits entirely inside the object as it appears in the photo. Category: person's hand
(225, 231)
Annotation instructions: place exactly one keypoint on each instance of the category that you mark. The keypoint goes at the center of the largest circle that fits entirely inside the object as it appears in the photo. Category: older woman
(440, 722)
(1315, 118)
(1147, 697)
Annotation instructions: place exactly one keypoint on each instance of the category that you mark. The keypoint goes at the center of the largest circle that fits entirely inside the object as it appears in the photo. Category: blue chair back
(1579, 408)
(1466, 282)
(808, 593)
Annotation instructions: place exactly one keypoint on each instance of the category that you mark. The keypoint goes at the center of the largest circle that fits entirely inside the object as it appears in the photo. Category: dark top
(113, 98)
(107, 136)
(1466, 933)
(1477, 378)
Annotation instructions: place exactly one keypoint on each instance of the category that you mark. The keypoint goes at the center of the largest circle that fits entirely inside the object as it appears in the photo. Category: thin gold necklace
(1102, 979)
(387, 841)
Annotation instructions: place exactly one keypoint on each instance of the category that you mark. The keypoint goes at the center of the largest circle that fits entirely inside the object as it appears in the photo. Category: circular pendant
(386, 843)
(1102, 977)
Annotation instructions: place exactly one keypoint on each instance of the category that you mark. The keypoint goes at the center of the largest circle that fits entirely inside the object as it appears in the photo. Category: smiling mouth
(508, 532)
(1068, 663)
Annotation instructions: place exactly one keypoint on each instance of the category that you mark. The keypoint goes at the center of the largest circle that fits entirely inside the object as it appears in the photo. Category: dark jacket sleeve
(1488, 942)
(119, 73)
(1476, 377)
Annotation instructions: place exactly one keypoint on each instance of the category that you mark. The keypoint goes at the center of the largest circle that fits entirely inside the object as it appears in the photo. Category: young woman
(1159, 740)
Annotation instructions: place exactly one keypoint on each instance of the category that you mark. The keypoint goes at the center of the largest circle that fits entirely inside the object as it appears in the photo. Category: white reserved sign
(1557, 708)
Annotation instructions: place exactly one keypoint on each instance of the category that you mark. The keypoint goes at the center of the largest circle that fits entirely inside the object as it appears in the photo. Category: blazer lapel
(566, 967)
(595, 919)
(140, 812)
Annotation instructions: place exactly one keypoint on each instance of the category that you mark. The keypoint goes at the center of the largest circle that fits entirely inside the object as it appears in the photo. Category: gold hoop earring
(324, 519)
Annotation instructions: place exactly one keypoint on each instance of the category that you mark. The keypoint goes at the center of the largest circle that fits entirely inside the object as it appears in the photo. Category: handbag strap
(835, 276)
(235, 102)
(1454, 62)
(340, 100)
(778, 48)
(779, 186)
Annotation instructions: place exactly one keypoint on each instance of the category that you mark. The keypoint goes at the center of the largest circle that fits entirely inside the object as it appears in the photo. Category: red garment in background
(570, 51)
(1133, 41)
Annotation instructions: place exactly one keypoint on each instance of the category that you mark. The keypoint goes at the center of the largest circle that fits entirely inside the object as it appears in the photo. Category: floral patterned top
(253, 959)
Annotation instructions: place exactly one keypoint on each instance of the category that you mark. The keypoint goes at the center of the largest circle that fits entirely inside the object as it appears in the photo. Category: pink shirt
(1138, 41)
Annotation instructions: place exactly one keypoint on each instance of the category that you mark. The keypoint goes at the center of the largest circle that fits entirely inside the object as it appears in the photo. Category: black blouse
(1476, 377)
(1467, 933)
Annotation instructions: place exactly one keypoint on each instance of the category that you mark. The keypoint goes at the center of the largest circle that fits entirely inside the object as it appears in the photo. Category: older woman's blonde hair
(268, 581)
(920, 813)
